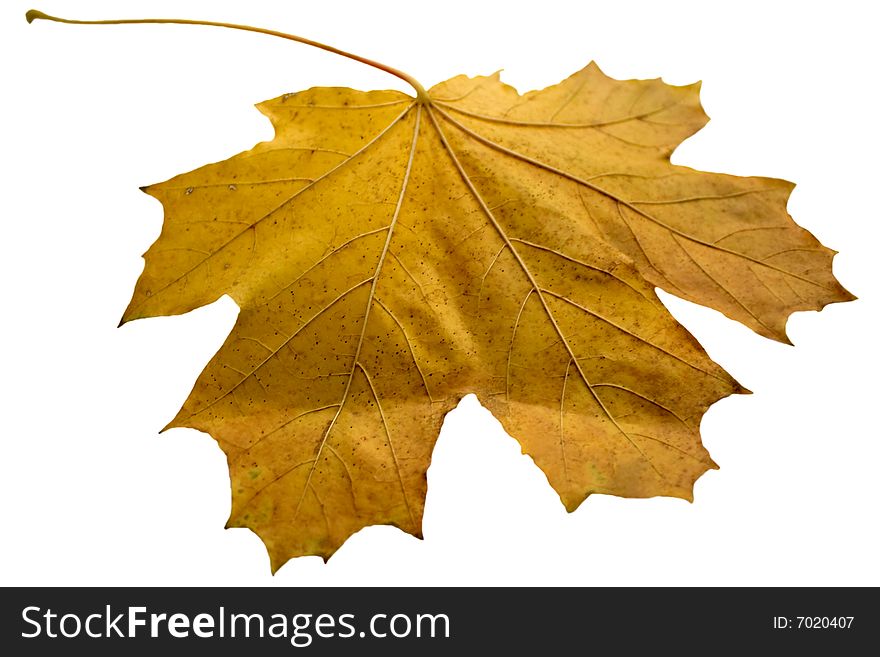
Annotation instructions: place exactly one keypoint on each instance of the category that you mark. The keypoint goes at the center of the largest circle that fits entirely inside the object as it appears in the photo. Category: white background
(93, 495)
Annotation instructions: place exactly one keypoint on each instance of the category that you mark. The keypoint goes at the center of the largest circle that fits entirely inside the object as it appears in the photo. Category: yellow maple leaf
(390, 254)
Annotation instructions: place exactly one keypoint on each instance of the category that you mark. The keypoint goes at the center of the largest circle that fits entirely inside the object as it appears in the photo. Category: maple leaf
(390, 254)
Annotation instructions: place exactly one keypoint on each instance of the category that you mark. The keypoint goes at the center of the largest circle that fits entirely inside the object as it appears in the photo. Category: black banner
(318, 621)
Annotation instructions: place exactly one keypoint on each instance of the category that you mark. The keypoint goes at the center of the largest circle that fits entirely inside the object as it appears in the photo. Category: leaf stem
(421, 94)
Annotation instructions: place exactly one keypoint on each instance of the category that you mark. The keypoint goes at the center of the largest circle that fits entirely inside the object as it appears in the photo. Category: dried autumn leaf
(391, 254)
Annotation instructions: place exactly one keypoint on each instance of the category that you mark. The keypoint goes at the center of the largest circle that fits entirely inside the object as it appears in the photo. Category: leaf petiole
(421, 94)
